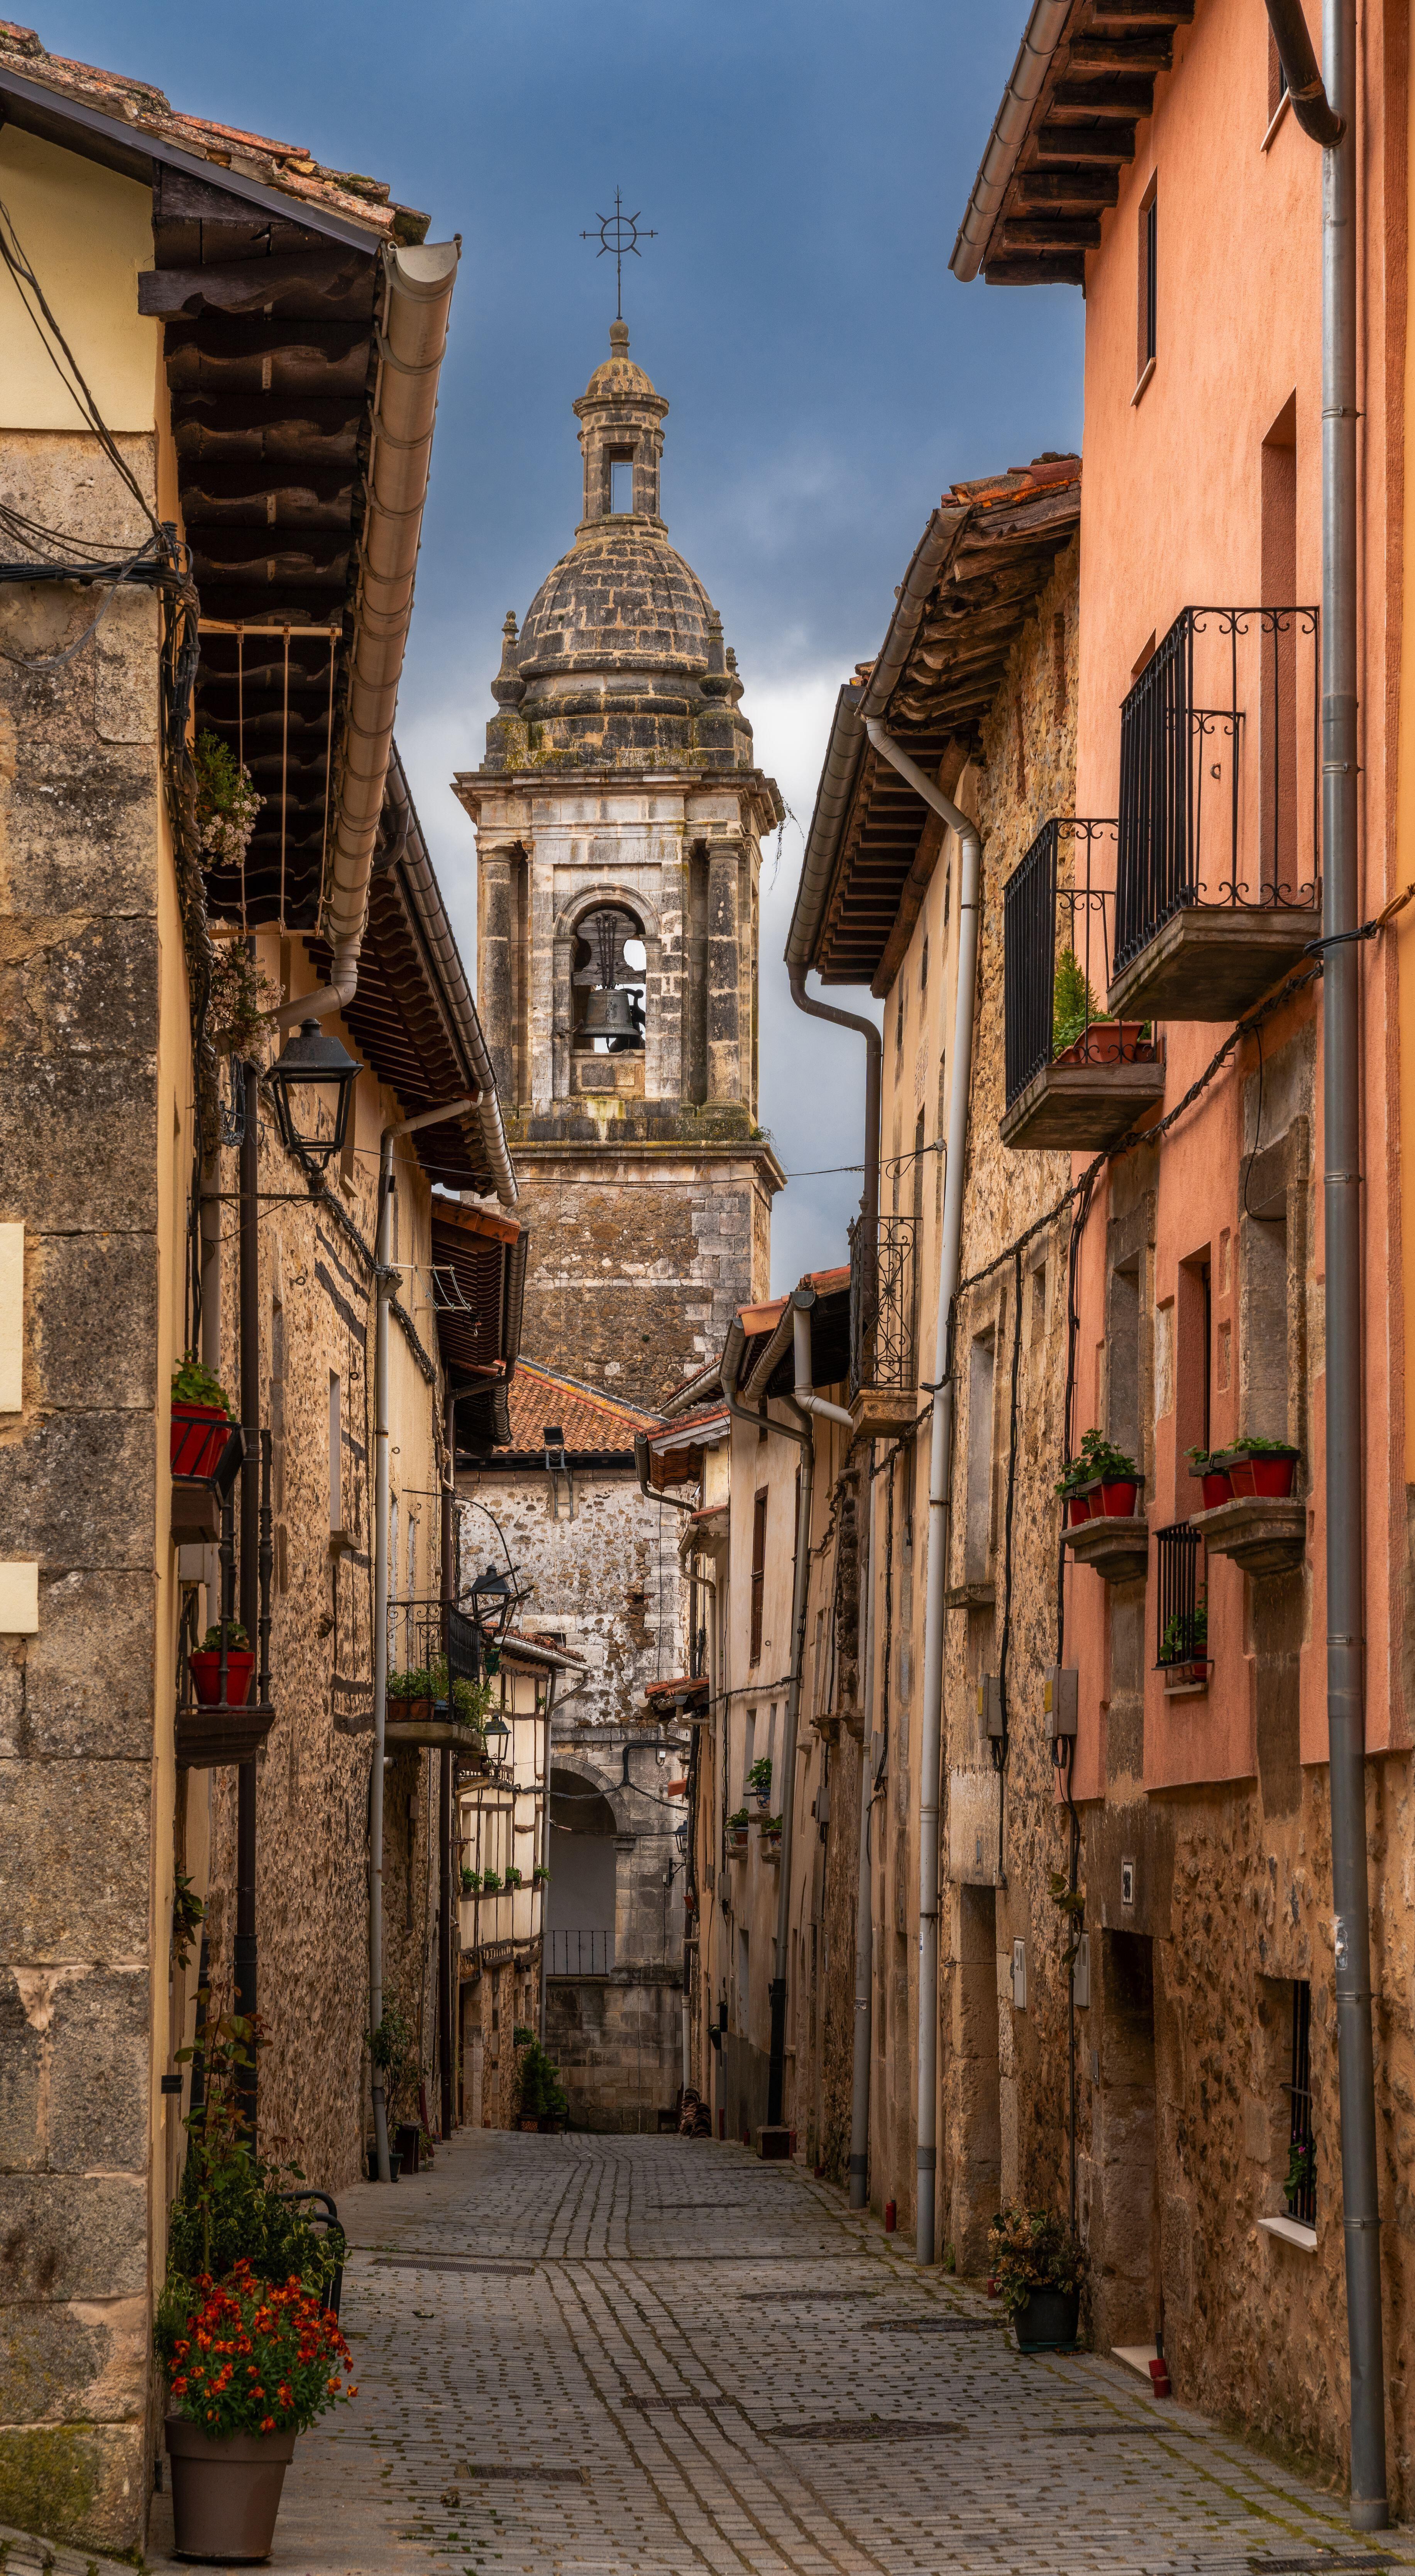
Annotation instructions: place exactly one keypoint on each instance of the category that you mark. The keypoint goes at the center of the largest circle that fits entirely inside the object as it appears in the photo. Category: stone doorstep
(1261, 1533)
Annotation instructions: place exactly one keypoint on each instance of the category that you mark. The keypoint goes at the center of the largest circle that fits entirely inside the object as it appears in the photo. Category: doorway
(1124, 2215)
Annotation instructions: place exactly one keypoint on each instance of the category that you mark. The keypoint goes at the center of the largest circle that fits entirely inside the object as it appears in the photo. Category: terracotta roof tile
(290, 167)
(593, 1424)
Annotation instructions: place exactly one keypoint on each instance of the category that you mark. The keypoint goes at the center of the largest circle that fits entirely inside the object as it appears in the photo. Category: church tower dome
(621, 659)
(619, 817)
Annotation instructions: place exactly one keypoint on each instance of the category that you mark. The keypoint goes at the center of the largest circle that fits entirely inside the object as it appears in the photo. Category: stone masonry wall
(91, 1119)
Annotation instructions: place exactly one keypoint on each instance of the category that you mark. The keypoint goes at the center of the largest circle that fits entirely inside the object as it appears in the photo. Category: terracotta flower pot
(414, 1712)
(206, 1675)
(199, 1434)
(1109, 1042)
(1117, 1498)
(226, 2493)
(1046, 2322)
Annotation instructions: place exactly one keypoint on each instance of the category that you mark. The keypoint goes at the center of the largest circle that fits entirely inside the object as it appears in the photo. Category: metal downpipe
(1341, 1077)
(864, 1901)
(874, 1052)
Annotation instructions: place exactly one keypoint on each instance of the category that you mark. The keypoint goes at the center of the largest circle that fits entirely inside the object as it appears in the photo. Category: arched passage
(580, 1915)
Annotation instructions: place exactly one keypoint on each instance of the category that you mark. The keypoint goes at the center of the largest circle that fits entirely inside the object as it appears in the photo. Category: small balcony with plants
(437, 1692)
(1218, 878)
(884, 1374)
(1252, 1511)
(1102, 1495)
(1077, 1077)
(224, 1711)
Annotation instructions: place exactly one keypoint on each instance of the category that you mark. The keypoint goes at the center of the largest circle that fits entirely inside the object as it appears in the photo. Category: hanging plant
(242, 999)
(226, 802)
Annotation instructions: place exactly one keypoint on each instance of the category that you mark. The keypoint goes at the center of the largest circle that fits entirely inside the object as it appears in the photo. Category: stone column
(724, 993)
(495, 933)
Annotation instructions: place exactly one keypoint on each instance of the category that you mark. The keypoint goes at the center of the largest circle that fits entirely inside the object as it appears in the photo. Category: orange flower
(267, 2423)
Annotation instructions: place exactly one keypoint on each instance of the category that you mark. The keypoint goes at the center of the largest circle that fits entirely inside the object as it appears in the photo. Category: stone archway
(581, 1910)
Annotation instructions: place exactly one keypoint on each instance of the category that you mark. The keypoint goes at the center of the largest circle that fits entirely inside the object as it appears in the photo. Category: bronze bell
(609, 1015)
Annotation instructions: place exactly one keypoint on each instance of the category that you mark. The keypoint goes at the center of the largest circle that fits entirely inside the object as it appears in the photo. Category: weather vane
(619, 233)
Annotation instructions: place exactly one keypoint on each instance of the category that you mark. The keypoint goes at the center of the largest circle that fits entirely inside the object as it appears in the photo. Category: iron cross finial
(619, 233)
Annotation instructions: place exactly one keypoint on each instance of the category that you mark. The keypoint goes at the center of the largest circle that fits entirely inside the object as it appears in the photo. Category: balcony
(884, 1374)
(223, 1684)
(1218, 886)
(1182, 1626)
(1076, 1079)
(435, 1689)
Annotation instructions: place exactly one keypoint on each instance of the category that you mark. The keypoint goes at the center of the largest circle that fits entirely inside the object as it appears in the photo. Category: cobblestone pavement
(633, 2354)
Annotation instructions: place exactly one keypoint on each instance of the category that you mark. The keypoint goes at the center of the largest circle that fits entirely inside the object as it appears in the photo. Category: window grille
(1183, 1621)
(758, 1573)
(882, 1335)
(1301, 2183)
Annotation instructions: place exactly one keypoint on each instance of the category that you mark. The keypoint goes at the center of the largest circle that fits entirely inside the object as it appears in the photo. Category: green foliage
(228, 2209)
(1251, 1444)
(392, 2047)
(226, 801)
(513, 1876)
(540, 1875)
(243, 2356)
(1032, 2249)
(1074, 1005)
(235, 1636)
(770, 1824)
(470, 1700)
(521, 2037)
(240, 1001)
(1070, 1899)
(1098, 1457)
(739, 1822)
(194, 1384)
(759, 1777)
(188, 1913)
(542, 2096)
(471, 1881)
(1186, 1639)
(491, 1883)
(1301, 2167)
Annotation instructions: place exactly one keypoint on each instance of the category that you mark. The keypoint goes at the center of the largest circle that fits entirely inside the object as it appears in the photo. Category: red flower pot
(1108, 1042)
(1078, 1509)
(1218, 1488)
(1274, 1476)
(206, 1675)
(199, 1434)
(1240, 1476)
(1117, 1498)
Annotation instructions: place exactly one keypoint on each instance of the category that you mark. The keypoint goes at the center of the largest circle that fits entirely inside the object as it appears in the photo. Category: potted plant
(1258, 1466)
(201, 1419)
(1037, 2265)
(1213, 1475)
(759, 1779)
(540, 1875)
(413, 1692)
(490, 1883)
(471, 1882)
(393, 2049)
(737, 1834)
(1184, 1646)
(240, 1666)
(1082, 1033)
(1107, 1477)
(1075, 1488)
(249, 2367)
(513, 1876)
(542, 2101)
(771, 1836)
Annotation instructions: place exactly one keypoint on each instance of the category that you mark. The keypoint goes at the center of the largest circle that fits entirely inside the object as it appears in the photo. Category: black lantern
(312, 1084)
(493, 1600)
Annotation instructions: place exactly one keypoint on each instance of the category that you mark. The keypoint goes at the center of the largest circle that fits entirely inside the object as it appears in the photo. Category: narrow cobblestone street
(632, 2354)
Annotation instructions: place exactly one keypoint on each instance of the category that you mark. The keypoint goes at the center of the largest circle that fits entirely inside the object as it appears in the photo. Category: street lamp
(312, 1084)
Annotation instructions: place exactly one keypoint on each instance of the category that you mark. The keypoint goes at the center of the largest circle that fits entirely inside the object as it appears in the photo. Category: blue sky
(805, 164)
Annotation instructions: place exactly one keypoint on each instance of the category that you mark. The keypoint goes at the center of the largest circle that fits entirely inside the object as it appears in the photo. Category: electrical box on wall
(1061, 1694)
(990, 1707)
(1081, 1975)
(1019, 1976)
(1127, 1882)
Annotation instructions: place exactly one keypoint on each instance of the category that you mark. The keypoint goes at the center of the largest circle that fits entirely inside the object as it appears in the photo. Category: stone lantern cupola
(622, 424)
(619, 816)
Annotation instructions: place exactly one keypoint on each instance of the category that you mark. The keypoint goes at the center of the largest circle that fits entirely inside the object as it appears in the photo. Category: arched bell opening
(609, 982)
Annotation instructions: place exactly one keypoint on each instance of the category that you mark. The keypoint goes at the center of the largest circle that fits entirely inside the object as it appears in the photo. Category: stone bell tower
(619, 819)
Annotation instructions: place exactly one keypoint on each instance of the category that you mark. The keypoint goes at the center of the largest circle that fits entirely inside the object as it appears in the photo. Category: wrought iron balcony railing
(1220, 774)
(223, 1691)
(1182, 1617)
(1056, 948)
(882, 1317)
(435, 1663)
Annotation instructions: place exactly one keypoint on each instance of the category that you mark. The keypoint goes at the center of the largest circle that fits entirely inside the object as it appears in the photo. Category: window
(977, 1520)
(336, 1459)
(758, 1573)
(1149, 287)
(1301, 2183)
(621, 485)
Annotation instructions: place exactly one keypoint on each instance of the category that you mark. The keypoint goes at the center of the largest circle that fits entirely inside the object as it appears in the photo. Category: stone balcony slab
(1117, 1547)
(1210, 963)
(1260, 1533)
